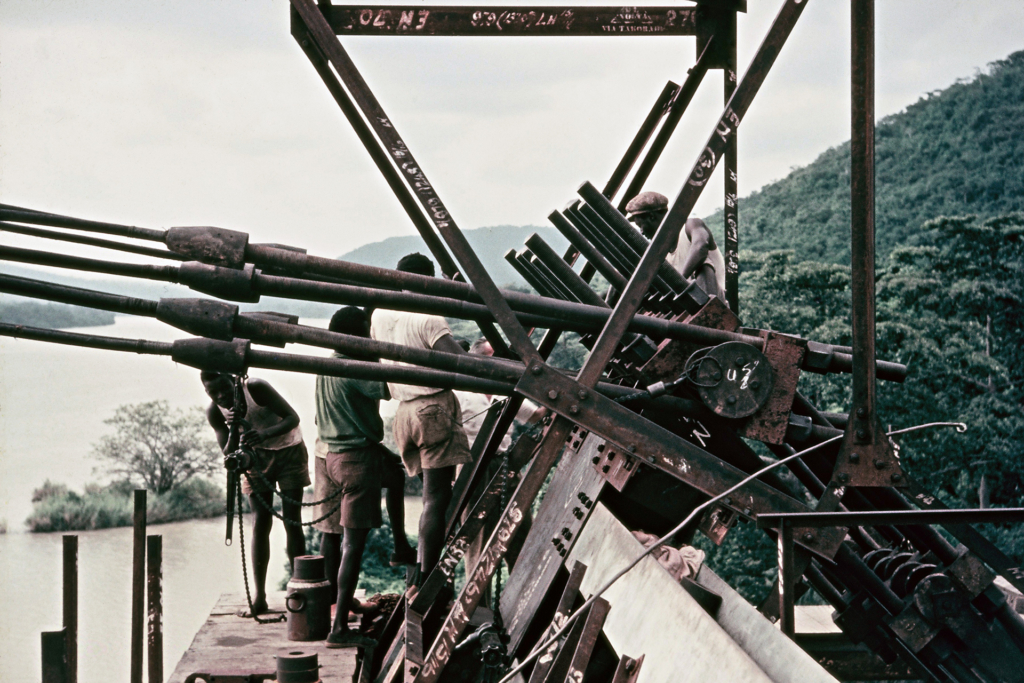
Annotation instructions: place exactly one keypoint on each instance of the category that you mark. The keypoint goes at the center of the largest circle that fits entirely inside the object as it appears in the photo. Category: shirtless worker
(271, 429)
(428, 423)
(696, 255)
(351, 458)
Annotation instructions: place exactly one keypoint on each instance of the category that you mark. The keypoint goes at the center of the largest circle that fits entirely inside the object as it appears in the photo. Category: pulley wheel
(734, 379)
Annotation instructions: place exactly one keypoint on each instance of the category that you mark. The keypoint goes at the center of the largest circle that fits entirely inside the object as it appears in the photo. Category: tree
(157, 446)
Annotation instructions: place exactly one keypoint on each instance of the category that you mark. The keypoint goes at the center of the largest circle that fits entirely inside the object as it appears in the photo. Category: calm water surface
(53, 400)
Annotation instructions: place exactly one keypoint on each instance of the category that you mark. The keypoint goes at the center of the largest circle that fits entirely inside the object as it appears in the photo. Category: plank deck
(229, 643)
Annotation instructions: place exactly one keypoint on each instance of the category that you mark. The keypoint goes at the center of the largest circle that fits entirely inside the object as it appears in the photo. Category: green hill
(956, 151)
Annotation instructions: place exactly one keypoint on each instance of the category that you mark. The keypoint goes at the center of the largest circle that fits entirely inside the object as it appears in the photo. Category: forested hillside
(957, 151)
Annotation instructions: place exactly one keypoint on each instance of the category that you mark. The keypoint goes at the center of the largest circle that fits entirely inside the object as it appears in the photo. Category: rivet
(880, 464)
(862, 433)
(605, 469)
(896, 476)
(632, 449)
(741, 361)
(537, 369)
(574, 409)
(755, 385)
(583, 394)
(855, 458)
(717, 376)
(305, 43)
(808, 537)
(862, 413)
(843, 477)
(596, 460)
(731, 400)
(553, 394)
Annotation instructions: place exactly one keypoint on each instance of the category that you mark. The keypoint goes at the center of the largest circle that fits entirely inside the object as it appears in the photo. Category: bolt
(305, 43)
(731, 400)
(630, 665)
(808, 537)
(746, 512)
(537, 370)
(553, 394)
(862, 413)
(843, 477)
(880, 464)
(537, 437)
(862, 434)
(605, 469)
(896, 476)
(755, 385)
(741, 361)
(727, 501)
(632, 449)
(596, 460)
(583, 394)
(855, 458)
(574, 409)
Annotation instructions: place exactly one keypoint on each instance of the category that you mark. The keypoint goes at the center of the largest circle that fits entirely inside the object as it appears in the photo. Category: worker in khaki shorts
(428, 423)
(351, 468)
(271, 430)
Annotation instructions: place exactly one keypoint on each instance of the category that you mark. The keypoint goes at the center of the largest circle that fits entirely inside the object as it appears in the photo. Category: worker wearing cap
(696, 255)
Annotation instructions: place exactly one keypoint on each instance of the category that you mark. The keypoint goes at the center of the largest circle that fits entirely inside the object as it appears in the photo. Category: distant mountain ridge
(490, 245)
(954, 152)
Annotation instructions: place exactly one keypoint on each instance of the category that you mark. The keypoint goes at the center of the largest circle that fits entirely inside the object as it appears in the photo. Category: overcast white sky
(207, 113)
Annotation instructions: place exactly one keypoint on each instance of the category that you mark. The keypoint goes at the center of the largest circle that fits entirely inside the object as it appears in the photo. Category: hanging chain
(245, 572)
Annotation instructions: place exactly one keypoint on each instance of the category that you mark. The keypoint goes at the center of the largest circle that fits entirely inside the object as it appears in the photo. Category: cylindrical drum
(298, 667)
(308, 600)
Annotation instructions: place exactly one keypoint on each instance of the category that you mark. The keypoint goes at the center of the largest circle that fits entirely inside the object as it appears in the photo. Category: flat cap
(645, 202)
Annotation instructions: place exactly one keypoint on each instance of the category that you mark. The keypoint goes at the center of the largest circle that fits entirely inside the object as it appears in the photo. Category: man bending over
(428, 422)
(696, 256)
(270, 429)
(352, 466)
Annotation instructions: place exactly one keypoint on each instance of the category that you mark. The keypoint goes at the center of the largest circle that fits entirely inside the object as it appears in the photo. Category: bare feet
(348, 638)
(259, 606)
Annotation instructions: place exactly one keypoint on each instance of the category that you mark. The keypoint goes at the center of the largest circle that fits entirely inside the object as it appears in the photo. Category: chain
(496, 603)
(266, 482)
(271, 510)
(245, 572)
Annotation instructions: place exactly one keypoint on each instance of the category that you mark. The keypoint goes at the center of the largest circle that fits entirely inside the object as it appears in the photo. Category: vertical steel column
(787, 578)
(71, 604)
(55, 656)
(730, 207)
(138, 583)
(155, 607)
(862, 217)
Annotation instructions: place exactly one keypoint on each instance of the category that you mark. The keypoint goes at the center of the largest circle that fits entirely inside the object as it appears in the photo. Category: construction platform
(229, 644)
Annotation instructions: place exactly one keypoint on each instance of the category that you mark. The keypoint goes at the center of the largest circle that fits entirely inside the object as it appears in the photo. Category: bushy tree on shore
(157, 446)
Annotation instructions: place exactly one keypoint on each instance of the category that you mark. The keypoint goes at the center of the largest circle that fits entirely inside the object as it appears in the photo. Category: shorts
(355, 476)
(287, 467)
(429, 434)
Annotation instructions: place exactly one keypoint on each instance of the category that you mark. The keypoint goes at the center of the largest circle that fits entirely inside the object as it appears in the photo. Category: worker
(696, 256)
(351, 468)
(270, 429)
(428, 422)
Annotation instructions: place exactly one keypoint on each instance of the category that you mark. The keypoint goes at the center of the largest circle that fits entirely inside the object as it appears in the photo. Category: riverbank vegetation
(57, 508)
(166, 451)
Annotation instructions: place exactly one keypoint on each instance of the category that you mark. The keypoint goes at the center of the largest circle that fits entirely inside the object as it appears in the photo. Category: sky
(160, 113)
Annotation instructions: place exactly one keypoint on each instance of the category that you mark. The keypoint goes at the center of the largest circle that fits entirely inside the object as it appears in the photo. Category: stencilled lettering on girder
(387, 21)
(702, 171)
(521, 21)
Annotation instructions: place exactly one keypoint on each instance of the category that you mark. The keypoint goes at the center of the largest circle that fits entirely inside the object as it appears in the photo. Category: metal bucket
(308, 600)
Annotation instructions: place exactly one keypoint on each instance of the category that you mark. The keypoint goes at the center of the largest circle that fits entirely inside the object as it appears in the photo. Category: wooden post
(138, 583)
(71, 605)
(154, 599)
(55, 656)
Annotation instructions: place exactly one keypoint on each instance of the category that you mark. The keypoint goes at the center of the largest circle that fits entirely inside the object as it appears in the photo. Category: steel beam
(449, 20)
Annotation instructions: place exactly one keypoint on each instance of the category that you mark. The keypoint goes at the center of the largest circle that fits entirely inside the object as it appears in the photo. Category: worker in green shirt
(352, 460)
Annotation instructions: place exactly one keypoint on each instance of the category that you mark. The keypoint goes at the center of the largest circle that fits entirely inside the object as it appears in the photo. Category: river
(53, 400)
